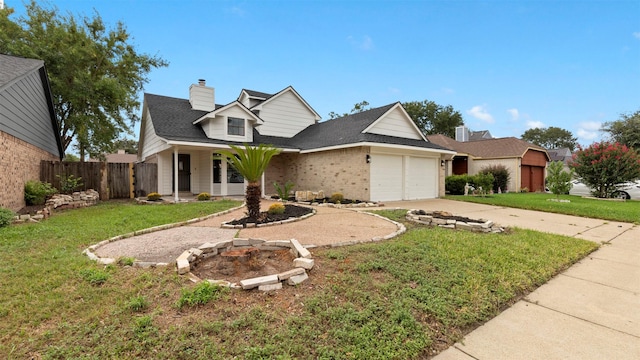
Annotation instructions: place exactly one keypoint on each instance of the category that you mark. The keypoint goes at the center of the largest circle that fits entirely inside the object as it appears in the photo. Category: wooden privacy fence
(111, 180)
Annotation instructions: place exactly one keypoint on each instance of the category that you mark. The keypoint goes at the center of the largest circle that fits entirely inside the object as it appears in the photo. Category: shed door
(386, 177)
(421, 179)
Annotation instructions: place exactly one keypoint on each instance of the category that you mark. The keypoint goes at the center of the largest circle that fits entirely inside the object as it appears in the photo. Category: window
(233, 176)
(235, 126)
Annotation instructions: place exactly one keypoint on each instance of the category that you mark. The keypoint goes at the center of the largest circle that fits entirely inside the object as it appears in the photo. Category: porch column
(175, 174)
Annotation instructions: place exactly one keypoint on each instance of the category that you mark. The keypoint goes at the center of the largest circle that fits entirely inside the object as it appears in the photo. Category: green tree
(551, 138)
(95, 73)
(130, 146)
(71, 157)
(625, 131)
(604, 165)
(251, 162)
(432, 118)
(357, 108)
(558, 180)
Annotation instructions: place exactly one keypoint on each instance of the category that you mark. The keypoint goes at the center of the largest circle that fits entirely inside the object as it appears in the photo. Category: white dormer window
(235, 126)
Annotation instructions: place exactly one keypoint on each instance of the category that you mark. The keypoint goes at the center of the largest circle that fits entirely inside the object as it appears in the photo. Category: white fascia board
(226, 107)
(379, 145)
(408, 117)
(216, 146)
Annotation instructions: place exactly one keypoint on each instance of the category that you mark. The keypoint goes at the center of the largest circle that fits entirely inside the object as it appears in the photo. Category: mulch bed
(289, 212)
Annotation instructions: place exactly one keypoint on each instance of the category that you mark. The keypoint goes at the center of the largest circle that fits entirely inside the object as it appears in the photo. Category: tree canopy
(359, 107)
(625, 130)
(551, 138)
(95, 73)
(432, 118)
(604, 165)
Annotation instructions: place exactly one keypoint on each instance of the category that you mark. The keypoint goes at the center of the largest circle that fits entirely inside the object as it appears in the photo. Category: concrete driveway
(590, 311)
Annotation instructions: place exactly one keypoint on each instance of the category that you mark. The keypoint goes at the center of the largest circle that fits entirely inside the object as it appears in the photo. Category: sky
(506, 66)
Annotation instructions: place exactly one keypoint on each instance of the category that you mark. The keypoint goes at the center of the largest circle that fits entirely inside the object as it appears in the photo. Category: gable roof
(221, 108)
(479, 135)
(289, 88)
(13, 69)
(489, 148)
(255, 94)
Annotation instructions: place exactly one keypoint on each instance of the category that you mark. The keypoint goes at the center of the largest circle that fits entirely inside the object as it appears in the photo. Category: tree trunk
(252, 197)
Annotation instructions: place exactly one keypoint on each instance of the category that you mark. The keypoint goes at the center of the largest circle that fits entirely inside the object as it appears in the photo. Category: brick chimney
(202, 97)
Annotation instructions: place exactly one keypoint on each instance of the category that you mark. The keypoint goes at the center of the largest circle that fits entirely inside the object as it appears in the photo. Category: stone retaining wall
(62, 201)
(295, 276)
(434, 218)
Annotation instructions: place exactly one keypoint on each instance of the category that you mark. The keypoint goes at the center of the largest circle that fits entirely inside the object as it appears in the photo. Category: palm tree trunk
(252, 197)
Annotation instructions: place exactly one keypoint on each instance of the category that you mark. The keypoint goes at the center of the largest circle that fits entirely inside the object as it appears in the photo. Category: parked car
(627, 190)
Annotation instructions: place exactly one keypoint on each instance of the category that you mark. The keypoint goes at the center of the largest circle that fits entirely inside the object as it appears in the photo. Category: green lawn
(624, 211)
(402, 298)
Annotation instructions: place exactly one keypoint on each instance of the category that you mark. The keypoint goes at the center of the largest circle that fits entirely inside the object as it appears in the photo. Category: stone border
(227, 225)
(481, 225)
(293, 277)
(78, 199)
(144, 264)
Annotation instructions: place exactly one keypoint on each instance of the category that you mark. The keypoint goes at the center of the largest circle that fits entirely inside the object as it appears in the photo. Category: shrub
(284, 191)
(482, 182)
(204, 196)
(276, 209)
(558, 180)
(154, 196)
(336, 198)
(69, 184)
(36, 192)
(500, 174)
(200, 295)
(5, 217)
(455, 184)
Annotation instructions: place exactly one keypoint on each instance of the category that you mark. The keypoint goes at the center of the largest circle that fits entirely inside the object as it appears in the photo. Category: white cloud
(366, 43)
(586, 134)
(636, 34)
(236, 10)
(535, 124)
(480, 112)
(591, 125)
(515, 114)
(588, 130)
(448, 91)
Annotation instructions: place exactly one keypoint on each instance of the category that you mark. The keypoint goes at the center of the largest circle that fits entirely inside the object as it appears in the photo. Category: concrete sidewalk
(590, 311)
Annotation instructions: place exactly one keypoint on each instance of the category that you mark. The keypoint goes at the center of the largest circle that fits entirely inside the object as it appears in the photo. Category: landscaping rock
(255, 282)
(295, 280)
(304, 263)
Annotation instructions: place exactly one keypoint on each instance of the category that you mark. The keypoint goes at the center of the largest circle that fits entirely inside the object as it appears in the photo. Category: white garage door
(397, 177)
(386, 177)
(421, 178)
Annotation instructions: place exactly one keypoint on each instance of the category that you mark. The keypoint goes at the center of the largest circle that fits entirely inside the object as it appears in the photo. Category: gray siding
(24, 113)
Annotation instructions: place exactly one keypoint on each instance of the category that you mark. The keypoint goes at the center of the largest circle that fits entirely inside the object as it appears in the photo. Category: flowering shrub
(604, 165)
(276, 209)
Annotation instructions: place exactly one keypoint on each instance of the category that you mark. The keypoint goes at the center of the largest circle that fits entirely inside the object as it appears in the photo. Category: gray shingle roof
(14, 67)
(172, 119)
(257, 94)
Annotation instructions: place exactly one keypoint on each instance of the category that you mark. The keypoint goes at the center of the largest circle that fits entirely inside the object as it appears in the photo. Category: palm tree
(251, 162)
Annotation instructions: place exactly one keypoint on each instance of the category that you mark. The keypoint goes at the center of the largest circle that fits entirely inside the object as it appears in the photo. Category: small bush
(69, 184)
(94, 276)
(501, 176)
(154, 196)
(276, 209)
(200, 295)
(204, 196)
(5, 217)
(336, 198)
(455, 184)
(36, 192)
(482, 182)
(284, 191)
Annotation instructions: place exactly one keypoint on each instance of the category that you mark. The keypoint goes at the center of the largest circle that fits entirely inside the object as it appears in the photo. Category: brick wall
(19, 162)
(344, 170)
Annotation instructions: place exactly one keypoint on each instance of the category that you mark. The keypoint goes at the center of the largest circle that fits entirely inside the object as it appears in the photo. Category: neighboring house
(561, 154)
(464, 134)
(120, 157)
(375, 155)
(526, 162)
(28, 128)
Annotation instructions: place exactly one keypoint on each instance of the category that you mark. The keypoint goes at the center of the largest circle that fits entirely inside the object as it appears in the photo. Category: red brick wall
(19, 162)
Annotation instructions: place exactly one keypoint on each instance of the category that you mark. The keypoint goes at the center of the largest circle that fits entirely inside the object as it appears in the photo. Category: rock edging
(63, 201)
(303, 262)
(431, 218)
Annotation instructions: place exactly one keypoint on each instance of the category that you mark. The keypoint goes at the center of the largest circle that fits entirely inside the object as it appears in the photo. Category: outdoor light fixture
(441, 162)
(368, 158)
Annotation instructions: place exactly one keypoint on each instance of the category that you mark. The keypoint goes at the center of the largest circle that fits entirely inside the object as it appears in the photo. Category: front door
(184, 172)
